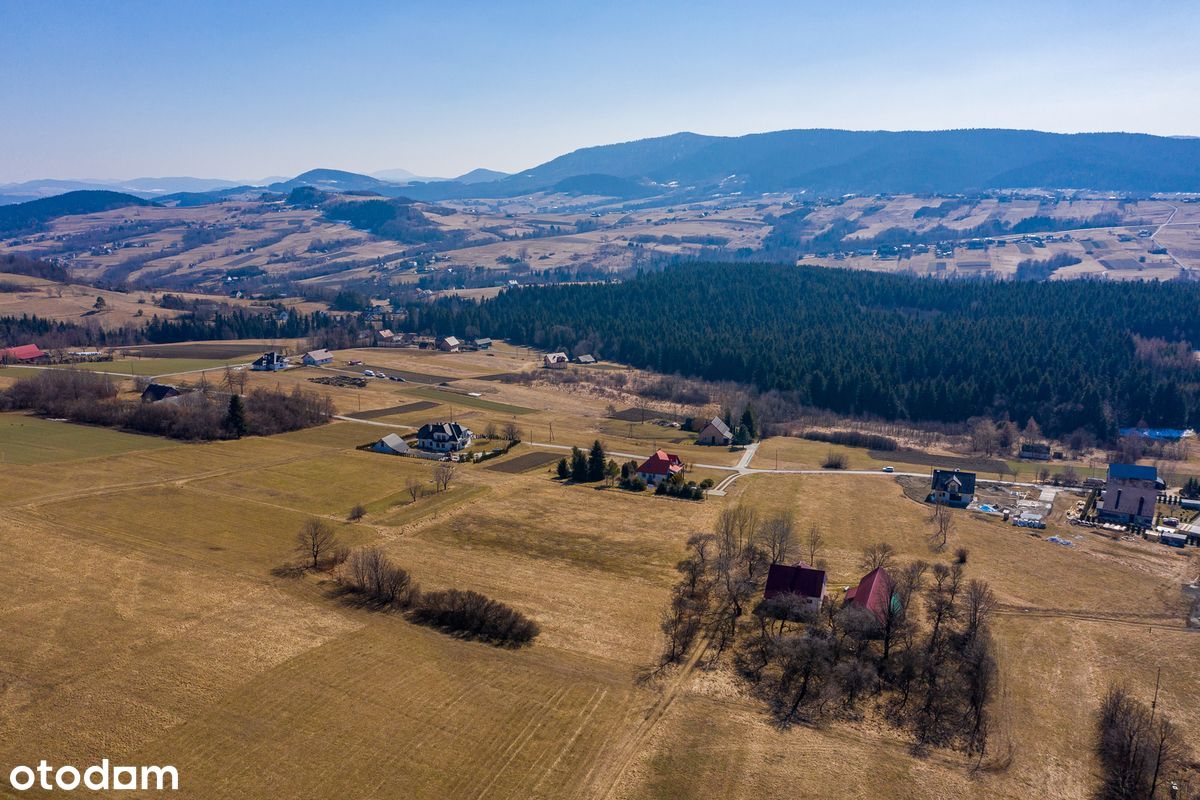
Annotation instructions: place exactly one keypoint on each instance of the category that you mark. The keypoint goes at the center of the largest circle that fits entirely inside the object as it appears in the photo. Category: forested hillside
(1081, 354)
(29, 216)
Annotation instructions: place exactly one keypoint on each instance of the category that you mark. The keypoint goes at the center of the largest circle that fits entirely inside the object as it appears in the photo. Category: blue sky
(245, 90)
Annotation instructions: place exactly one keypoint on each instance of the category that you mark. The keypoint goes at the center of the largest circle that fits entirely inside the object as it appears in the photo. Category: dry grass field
(145, 620)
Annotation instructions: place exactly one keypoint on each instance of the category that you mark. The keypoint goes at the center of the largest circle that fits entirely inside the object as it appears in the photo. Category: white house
(444, 437)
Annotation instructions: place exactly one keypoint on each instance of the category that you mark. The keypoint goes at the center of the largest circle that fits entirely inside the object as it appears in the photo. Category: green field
(463, 401)
(30, 440)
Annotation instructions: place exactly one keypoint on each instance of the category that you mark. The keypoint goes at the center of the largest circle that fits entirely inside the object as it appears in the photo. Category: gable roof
(719, 424)
(586, 359)
(661, 463)
(452, 341)
(873, 592)
(384, 333)
(1135, 472)
(393, 442)
(943, 477)
(23, 352)
(159, 391)
(797, 579)
(319, 355)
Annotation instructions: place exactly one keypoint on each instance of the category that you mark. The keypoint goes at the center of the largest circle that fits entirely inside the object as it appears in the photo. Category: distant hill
(147, 187)
(481, 175)
(333, 180)
(603, 185)
(837, 162)
(402, 176)
(25, 216)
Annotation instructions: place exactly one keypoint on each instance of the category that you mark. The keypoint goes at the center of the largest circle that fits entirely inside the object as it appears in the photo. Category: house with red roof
(24, 353)
(659, 467)
(874, 593)
(807, 583)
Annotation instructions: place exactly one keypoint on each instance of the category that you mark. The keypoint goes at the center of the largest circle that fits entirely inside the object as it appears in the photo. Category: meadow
(148, 620)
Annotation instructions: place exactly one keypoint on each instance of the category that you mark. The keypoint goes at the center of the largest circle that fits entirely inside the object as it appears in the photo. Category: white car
(380, 375)
(370, 373)
(888, 469)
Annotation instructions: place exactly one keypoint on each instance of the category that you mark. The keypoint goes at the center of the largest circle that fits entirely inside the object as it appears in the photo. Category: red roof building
(798, 579)
(24, 352)
(874, 592)
(660, 466)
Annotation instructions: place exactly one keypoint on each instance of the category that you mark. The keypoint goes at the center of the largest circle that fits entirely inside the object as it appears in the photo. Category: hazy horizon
(221, 91)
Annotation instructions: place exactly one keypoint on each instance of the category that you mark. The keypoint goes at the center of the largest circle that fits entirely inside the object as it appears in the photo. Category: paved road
(147, 377)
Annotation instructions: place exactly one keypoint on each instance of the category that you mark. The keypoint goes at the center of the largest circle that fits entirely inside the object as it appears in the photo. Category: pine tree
(596, 462)
(564, 471)
(579, 465)
(750, 420)
(235, 419)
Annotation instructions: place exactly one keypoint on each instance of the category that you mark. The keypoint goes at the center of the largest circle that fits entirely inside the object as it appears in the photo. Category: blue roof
(1165, 434)
(1133, 472)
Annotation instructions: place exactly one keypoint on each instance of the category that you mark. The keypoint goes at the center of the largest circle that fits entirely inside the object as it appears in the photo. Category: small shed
(391, 445)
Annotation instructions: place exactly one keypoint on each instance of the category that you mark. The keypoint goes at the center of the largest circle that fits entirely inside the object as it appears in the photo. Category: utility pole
(1154, 702)
(551, 431)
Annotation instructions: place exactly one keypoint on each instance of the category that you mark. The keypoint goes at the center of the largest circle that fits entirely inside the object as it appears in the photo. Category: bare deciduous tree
(315, 540)
(943, 526)
(777, 536)
(413, 485)
(815, 544)
(443, 474)
(880, 554)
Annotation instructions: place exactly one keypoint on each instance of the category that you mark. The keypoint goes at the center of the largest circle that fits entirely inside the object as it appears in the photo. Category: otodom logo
(100, 777)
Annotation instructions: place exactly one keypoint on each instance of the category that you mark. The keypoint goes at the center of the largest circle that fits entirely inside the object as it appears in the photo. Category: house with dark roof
(660, 467)
(807, 583)
(444, 437)
(316, 357)
(23, 353)
(391, 445)
(1035, 451)
(270, 362)
(716, 432)
(952, 488)
(157, 392)
(874, 593)
(1130, 494)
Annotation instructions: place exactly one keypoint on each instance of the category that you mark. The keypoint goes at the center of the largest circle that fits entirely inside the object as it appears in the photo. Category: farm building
(874, 593)
(391, 445)
(270, 362)
(314, 357)
(716, 432)
(449, 344)
(1035, 451)
(443, 437)
(1130, 494)
(1158, 434)
(482, 344)
(384, 336)
(800, 580)
(585, 359)
(952, 487)
(555, 360)
(157, 392)
(659, 467)
(24, 353)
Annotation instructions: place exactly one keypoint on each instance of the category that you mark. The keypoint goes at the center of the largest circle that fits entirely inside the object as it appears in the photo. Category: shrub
(872, 441)
(834, 461)
(370, 574)
(475, 616)
(358, 512)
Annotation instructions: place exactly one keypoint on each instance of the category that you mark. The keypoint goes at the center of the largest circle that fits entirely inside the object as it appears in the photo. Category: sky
(238, 90)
